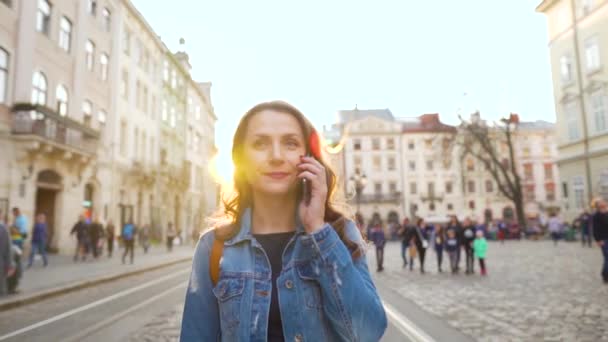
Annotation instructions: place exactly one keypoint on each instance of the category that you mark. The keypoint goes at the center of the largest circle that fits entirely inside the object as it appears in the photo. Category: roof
(427, 123)
(545, 5)
(536, 125)
(356, 114)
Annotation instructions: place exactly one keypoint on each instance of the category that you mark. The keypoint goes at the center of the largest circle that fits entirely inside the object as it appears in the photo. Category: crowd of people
(467, 239)
(91, 237)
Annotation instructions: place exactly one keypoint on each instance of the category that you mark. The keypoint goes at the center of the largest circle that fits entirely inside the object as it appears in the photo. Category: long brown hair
(242, 196)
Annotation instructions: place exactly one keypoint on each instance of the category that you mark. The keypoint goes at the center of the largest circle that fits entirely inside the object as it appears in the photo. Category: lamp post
(360, 180)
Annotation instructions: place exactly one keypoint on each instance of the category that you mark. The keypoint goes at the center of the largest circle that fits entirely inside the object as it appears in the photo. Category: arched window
(103, 61)
(39, 86)
(62, 100)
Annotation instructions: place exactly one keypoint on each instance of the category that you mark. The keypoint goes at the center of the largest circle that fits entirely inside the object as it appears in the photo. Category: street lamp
(360, 180)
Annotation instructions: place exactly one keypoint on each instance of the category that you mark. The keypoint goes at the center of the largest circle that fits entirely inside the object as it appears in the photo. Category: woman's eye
(259, 143)
(293, 143)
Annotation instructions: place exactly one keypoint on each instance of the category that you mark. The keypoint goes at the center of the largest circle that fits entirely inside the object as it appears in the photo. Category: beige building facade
(578, 46)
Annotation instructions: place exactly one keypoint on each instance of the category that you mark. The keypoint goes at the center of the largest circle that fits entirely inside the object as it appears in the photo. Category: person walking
(600, 233)
(39, 238)
(377, 235)
(451, 247)
(468, 236)
(439, 242)
(80, 229)
(457, 228)
(480, 246)
(555, 227)
(110, 235)
(96, 234)
(171, 233)
(315, 284)
(20, 221)
(584, 221)
(420, 238)
(404, 233)
(144, 237)
(128, 238)
(7, 267)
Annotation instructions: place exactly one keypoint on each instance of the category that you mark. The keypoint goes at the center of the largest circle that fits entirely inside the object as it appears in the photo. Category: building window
(135, 143)
(62, 100)
(430, 187)
(124, 85)
(43, 17)
(65, 34)
(137, 53)
(166, 71)
(172, 118)
(529, 192)
(592, 54)
(173, 79)
(164, 111)
(103, 62)
(92, 7)
(565, 189)
(578, 188)
(412, 165)
(550, 191)
(197, 113)
(392, 187)
(489, 186)
(411, 145)
(39, 86)
(448, 187)
(528, 171)
(106, 19)
(390, 144)
(471, 186)
(8, 3)
(565, 63)
(102, 116)
(391, 163)
(123, 138)
(378, 188)
(89, 48)
(3, 75)
(571, 113)
(357, 144)
(137, 94)
(144, 99)
(586, 6)
(357, 162)
(413, 188)
(470, 164)
(525, 151)
(375, 144)
(599, 110)
(450, 206)
(429, 165)
(87, 111)
(548, 171)
(471, 204)
(377, 163)
(126, 41)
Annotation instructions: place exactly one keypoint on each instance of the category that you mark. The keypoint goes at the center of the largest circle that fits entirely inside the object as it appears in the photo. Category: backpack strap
(214, 261)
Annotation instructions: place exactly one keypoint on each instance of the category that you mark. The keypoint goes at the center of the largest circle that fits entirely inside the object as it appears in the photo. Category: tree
(492, 145)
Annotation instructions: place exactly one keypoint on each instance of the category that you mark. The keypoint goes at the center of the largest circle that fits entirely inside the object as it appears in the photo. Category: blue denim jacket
(324, 295)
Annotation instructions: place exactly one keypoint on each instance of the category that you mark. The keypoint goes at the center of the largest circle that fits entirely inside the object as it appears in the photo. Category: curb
(59, 290)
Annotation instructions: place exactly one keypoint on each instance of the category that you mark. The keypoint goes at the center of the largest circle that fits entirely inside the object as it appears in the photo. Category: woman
(377, 235)
(439, 243)
(420, 238)
(455, 226)
(292, 267)
(468, 237)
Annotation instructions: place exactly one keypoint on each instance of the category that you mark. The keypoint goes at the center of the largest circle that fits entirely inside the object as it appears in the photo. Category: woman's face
(272, 147)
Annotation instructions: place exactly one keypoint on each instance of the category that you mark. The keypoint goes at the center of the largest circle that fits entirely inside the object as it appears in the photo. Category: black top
(600, 226)
(274, 245)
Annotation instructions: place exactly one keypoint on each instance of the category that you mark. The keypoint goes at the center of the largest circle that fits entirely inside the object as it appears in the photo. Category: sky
(413, 57)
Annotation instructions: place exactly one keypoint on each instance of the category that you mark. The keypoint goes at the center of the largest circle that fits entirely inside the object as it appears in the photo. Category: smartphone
(306, 191)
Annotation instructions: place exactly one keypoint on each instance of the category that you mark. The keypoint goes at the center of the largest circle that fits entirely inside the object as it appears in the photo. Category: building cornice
(545, 5)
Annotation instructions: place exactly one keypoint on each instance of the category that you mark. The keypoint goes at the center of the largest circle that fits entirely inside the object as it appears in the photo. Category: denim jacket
(324, 295)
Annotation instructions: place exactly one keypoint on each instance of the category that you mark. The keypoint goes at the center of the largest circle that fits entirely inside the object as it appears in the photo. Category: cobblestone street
(534, 291)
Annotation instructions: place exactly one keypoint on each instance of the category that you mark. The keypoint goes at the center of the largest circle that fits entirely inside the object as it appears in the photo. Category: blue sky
(413, 57)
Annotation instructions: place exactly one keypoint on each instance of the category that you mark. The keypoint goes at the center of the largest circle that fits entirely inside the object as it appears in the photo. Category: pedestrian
(420, 238)
(468, 236)
(287, 230)
(110, 234)
(20, 221)
(600, 233)
(80, 229)
(480, 246)
(439, 243)
(555, 227)
(128, 238)
(39, 238)
(404, 233)
(457, 228)
(7, 266)
(502, 232)
(171, 233)
(96, 234)
(584, 221)
(451, 247)
(144, 237)
(377, 235)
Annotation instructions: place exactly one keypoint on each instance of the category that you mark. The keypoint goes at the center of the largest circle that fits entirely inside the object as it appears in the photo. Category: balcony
(45, 125)
(394, 198)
